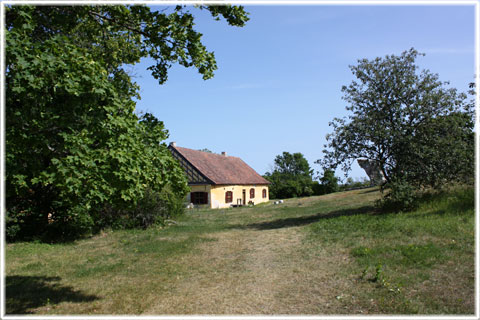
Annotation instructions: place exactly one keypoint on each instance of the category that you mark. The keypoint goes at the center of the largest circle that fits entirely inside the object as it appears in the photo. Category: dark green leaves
(76, 152)
(415, 127)
(291, 176)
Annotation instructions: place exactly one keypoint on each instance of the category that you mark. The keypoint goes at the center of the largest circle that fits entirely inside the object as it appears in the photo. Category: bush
(62, 225)
(12, 225)
(72, 224)
(318, 189)
(155, 208)
(151, 209)
(401, 196)
(69, 223)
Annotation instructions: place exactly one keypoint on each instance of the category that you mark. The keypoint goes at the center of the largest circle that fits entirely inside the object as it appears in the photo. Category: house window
(199, 197)
(264, 193)
(252, 193)
(228, 197)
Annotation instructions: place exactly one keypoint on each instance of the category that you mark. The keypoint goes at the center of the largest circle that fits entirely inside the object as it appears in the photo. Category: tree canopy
(76, 152)
(329, 181)
(417, 128)
(291, 176)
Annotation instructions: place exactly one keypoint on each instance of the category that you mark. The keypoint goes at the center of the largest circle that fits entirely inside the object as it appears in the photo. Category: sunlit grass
(408, 261)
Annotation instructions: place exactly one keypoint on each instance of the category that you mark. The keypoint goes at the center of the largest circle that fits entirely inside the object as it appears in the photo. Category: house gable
(194, 176)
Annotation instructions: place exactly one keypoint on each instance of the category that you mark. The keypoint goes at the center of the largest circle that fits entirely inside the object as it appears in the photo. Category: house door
(244, 196)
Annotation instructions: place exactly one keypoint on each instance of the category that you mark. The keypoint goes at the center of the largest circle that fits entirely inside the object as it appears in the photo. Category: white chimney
(224, 153)
(173, 144)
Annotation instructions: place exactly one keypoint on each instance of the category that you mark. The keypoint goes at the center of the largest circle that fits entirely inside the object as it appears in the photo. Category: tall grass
(410, 261)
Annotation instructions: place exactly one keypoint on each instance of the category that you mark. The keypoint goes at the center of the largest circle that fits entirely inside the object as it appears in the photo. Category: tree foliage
(417, 129)
(328, 183)
(76, 152)
(290, 177)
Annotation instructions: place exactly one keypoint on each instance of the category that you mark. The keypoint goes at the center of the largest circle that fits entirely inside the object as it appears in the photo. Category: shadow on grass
(304, 220)
(24, 293)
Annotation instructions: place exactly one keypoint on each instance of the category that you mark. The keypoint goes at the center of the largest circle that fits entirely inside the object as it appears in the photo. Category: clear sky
(279, 78)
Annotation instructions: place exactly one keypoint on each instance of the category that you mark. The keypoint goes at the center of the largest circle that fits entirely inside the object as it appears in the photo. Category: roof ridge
(210, 153)
(221, 169)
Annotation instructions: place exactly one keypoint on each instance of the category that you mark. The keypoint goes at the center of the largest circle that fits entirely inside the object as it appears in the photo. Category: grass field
(330, 254)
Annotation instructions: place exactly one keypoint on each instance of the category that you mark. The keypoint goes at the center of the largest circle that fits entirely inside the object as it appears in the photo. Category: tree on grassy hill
(328, 183)
(291, 176)
(419, 131)
(77, 156)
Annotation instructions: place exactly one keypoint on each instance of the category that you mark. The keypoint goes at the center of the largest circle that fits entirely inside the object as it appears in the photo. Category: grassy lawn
(320, 255)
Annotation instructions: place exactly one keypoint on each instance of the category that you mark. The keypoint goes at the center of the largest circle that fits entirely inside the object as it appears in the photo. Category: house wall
(200, 188)
(216, 194)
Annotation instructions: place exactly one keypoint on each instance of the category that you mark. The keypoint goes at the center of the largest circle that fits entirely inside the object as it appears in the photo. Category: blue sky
(279, 78)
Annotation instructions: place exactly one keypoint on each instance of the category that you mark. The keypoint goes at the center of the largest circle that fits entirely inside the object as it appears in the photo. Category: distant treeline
(292, 177)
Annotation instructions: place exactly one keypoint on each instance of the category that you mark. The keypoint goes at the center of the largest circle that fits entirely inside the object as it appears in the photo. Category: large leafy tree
(75, 149)
(418, 129)
(291, 176)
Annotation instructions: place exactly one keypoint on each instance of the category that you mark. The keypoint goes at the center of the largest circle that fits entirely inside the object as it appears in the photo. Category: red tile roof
(221, 169)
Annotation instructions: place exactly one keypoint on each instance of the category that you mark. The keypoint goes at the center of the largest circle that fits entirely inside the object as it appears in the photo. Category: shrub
(155, 208)
(318, 189)
(149, 210)
(401, 196)
(68, 223)
(12, 225)
(71, 224)
(173, 201)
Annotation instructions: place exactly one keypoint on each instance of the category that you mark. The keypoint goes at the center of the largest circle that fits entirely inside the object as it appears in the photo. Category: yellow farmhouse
(220, 181)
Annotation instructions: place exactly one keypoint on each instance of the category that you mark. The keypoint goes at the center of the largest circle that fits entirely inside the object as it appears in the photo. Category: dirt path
(257, 272)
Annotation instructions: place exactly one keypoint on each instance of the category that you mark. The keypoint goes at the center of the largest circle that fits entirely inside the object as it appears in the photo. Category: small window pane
(228, 197)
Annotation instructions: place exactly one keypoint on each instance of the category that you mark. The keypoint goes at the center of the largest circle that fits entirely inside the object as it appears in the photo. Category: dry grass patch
(258, 272)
